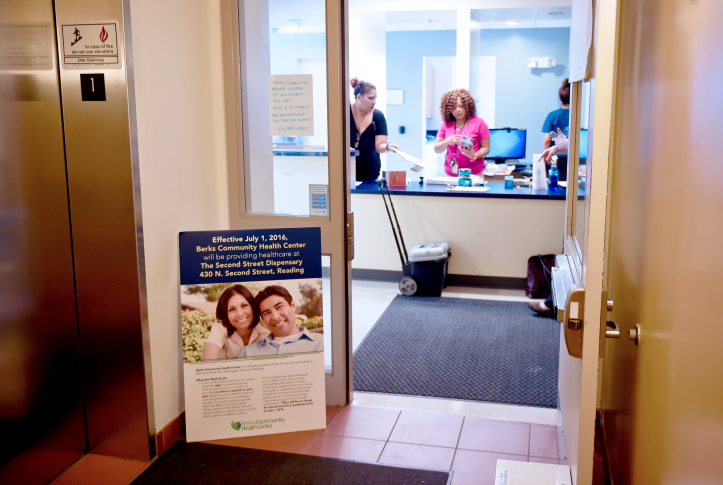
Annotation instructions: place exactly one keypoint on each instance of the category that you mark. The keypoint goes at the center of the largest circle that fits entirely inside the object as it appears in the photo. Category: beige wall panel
(181, 140)
(488, 237)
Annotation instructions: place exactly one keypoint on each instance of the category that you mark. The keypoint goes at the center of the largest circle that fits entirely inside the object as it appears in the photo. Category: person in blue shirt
(560, 118)
(278, 311)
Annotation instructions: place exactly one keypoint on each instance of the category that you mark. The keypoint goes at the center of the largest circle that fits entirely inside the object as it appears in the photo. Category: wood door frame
(334, 233)
(579, 377)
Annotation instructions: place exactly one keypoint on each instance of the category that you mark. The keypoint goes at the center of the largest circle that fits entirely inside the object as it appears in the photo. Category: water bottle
(554, 176)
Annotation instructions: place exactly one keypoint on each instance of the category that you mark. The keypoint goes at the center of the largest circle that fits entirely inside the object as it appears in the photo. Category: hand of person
(561, 141)
(468, 153)
(454, 140)
(392, 146)
(548, 154)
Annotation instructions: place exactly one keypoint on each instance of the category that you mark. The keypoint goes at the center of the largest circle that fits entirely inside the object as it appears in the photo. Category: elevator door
(42, 421)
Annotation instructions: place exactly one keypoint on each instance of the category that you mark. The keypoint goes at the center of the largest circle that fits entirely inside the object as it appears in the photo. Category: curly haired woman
(459, 119)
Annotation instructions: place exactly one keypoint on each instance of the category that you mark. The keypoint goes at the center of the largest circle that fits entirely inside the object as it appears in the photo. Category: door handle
(634, 334)
(612, 330)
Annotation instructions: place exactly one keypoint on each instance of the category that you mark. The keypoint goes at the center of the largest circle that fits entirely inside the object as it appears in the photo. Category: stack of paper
(476, 180)
(462, 188)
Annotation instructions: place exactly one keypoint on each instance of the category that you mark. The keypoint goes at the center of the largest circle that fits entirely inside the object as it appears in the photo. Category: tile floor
(462, 436)
(469, 446)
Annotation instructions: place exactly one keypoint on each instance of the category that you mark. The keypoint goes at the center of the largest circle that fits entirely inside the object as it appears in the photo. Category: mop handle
(399, 249)
(406, 257)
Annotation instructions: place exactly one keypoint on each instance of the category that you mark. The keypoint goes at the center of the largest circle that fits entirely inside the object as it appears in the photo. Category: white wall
(368, 54)
(181, 139)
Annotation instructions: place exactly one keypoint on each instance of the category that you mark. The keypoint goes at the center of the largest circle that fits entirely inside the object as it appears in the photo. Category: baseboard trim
(452, 279)
(171, 433)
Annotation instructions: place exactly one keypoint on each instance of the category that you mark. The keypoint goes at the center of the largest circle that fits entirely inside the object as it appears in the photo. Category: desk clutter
(462, 188)
(476, 180)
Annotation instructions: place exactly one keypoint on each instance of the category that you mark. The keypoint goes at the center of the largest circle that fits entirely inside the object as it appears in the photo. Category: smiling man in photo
(278, 311)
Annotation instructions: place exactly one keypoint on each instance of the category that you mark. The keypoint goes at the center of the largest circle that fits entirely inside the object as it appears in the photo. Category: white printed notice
(292, 104)
(252, 326)
(318, 200)
(90, 44)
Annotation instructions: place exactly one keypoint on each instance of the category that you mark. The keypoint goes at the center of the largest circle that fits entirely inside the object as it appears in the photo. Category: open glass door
(286, 119)
(585, 241)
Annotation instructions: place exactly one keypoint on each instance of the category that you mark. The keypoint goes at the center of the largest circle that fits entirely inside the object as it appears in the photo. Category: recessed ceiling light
(555, 13)
(511, 22)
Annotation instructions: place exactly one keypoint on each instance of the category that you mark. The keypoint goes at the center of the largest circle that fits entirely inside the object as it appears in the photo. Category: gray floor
(371, 298)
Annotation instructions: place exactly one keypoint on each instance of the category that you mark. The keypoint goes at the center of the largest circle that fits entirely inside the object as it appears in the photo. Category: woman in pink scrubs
(459, 119)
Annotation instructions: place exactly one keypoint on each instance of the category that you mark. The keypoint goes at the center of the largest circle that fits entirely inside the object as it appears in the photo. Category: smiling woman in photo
(237, 325)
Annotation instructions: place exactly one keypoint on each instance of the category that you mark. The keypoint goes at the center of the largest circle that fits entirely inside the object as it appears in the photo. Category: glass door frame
(572, 247)
(334, 228)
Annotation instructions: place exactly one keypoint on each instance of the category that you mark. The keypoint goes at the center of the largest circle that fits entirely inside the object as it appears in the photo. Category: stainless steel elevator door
(41, 402)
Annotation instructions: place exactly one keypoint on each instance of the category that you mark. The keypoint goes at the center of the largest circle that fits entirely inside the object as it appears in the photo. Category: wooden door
(662, 401)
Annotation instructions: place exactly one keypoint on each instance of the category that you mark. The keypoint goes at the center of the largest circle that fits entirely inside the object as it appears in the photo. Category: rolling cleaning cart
(425, 268)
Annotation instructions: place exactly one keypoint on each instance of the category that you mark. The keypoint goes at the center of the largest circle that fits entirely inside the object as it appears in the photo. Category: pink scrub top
(477, 129)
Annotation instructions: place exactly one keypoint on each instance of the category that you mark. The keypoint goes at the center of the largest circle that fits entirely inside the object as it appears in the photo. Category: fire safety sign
(90, 45)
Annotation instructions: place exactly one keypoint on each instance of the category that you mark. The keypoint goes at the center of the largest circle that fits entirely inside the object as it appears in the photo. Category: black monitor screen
(583, 144)
(507, 143)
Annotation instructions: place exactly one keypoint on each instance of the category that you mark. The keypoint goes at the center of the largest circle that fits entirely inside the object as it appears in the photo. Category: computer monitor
(507, 143)
(583, 144)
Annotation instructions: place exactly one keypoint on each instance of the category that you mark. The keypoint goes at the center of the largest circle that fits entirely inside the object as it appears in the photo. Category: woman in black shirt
(368, 131)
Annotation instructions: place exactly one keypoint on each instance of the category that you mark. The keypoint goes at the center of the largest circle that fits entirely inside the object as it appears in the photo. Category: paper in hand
(418, 164)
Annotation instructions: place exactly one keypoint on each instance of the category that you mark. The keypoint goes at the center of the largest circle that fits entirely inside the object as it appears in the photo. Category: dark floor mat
(481, 350)
(201, 464)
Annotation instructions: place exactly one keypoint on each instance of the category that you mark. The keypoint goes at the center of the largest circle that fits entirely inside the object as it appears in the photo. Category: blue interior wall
(524, 96)
(405, 51)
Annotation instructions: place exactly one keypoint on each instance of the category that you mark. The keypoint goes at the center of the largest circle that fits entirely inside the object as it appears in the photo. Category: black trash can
(428, 268)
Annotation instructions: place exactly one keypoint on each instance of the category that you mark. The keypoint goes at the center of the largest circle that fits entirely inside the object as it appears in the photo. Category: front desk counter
(491, 234)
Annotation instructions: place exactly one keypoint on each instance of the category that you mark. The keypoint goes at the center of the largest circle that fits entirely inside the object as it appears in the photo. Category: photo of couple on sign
(234, 320)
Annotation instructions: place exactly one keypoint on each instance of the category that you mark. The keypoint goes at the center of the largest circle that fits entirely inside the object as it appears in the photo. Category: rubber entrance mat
(202, 464)
(480, 350)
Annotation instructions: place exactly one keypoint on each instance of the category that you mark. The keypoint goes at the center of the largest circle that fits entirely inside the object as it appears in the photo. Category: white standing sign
(252, 324)
(90, 44)
(291, 100)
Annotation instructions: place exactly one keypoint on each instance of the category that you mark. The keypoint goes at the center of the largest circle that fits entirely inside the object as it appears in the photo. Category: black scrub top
(368, 162)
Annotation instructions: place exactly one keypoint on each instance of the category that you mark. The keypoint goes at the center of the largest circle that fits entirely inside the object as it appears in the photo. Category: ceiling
(489, 18)
(527, 18)
(307, 16)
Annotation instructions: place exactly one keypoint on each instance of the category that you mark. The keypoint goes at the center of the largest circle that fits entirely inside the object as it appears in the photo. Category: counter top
(301, 152)
(497, 191)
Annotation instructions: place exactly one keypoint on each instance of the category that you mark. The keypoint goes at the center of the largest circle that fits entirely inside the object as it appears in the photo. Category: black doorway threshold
(206, 464)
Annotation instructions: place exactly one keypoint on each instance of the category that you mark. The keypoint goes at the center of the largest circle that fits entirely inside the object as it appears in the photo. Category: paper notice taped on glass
(418, 164)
